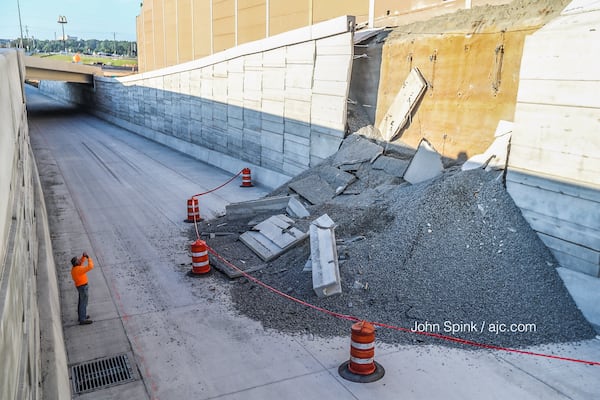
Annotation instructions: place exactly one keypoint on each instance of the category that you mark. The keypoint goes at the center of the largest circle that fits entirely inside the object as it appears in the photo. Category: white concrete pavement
(123, 199)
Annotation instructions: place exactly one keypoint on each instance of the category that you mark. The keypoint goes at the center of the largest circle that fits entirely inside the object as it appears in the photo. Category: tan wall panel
(201, 28)
(329, 9)
(139, 34)
(401, 7)
(170, 12)
(251, 20)
(223, 24)
(184, 30)
(158, 34)
(146, 42)
(286, 15)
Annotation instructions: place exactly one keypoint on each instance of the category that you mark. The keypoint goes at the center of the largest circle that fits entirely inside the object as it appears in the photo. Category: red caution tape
(398, 328)
(220, 186)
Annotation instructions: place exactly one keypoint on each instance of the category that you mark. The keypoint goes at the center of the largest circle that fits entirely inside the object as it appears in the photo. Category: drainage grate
(102, 373)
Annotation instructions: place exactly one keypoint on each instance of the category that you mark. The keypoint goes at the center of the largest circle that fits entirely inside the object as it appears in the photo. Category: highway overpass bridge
(38, 68)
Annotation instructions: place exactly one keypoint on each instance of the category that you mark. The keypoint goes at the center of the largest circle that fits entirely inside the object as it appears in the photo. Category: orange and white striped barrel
(246, 178)
(362, 367)
(193, 210)
(200, 264)
(362, 349)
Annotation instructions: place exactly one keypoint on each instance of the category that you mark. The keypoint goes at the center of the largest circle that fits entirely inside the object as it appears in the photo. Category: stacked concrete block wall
(554, 165)
(277, 105)
(32, 351)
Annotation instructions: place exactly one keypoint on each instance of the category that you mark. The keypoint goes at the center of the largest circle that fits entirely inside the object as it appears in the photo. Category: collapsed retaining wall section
(277, 105)
(554, 164)
(32, 351)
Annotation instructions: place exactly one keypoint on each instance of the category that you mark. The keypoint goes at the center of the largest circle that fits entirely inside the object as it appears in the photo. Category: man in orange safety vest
(79, 275)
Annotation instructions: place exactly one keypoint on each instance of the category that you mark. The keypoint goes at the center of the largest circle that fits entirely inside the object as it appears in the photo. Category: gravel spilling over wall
(454, 250)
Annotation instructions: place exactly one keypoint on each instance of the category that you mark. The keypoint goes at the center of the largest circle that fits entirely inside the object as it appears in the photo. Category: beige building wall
(252, 20)
(171, 32)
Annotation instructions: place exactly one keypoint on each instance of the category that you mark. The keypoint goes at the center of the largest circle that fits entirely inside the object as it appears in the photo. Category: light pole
(20, 25)
(62, 20)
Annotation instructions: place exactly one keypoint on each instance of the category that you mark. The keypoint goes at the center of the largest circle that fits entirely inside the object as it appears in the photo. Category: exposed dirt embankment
(471, 60)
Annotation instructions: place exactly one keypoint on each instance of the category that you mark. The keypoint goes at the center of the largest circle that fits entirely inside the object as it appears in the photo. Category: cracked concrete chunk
(314, 189)
(338, 179)
(253, 207)
(273, 237)
(356, 149)
(496, 156)
(324, 259)
(296, 209)
(392, 166)
(425, 165)
(398, 115)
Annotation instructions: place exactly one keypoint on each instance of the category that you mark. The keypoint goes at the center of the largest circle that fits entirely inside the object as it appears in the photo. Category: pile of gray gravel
(453, 250)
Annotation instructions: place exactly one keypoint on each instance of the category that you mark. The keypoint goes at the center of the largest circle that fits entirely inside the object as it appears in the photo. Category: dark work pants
(82, 303)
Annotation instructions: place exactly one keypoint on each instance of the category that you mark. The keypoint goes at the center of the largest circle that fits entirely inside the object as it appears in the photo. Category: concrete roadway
(122, 199)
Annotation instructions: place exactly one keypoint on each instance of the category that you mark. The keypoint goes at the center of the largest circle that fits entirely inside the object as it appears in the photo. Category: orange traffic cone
(362, 367)
(246, 178)
(200, 264)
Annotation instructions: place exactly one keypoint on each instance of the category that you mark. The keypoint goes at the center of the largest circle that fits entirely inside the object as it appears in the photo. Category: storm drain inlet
(101, 373)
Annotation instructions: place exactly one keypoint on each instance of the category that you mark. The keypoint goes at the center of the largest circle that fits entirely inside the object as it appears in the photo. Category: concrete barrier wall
(277, 105)
(554, 165)
(27, 274)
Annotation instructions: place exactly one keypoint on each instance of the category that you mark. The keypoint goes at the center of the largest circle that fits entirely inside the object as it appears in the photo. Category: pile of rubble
(386, 234)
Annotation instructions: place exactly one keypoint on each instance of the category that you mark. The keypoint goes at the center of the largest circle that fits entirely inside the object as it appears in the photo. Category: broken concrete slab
(324, 259)
(254, 207)
(369, 132)
(307, 266)
(496, 156)
(272, 237)
(314, 189)
(391, 165)
(425, 165)
(338, 179)
(356, 149)
(296, 209)
(231, 272)
(350, 167)
(401, 109)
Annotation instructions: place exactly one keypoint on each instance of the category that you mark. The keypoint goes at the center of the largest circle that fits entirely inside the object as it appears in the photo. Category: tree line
(90, 46)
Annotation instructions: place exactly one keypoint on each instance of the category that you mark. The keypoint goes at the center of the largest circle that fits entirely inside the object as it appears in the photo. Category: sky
(86, 19)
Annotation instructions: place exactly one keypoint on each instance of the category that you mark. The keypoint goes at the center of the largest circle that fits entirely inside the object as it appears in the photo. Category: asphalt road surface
(122, 198)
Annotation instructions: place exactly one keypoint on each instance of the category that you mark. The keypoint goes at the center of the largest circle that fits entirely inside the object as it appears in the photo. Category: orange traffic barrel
(362, 367)
(246, 178)
(193, 210)
(200, 264)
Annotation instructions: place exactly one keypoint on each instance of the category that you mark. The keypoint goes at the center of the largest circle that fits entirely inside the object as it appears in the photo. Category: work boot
(86, 322)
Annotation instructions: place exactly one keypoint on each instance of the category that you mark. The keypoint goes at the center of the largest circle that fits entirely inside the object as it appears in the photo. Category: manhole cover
(101, 373)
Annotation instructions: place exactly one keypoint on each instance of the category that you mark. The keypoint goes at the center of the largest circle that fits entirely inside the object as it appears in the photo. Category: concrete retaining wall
(554, 165)
(32, 352)
(277, 105)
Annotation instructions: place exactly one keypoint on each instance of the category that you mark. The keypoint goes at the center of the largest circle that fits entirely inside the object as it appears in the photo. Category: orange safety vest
(78, 272)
